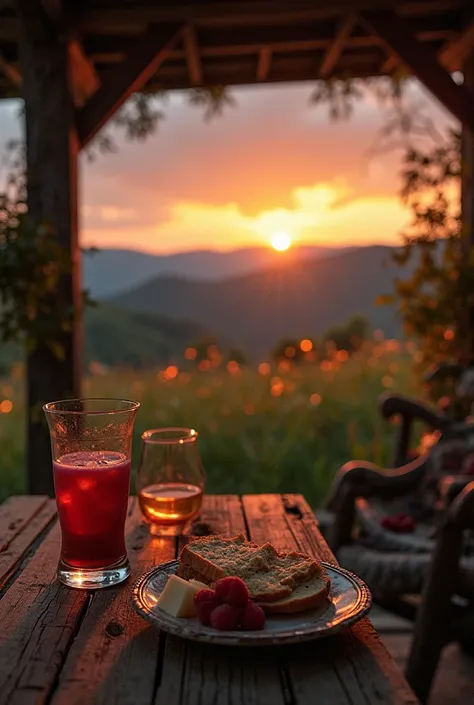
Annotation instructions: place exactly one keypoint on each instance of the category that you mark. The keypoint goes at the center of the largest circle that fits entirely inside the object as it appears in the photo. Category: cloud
(253, 155)
(273, 162)
(317, 214)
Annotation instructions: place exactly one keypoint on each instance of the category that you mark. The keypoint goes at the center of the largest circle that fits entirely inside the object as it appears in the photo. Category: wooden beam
(52, 150)
(423, 63)
(392, 60)
(141, 63)
(332, 55)
(389, 64)
(264, 63)
(217, 14)
(10, 71)
(467, 202)
(193, 58)
(111, 50)
(457, 52)
(283, 69)
(84, 78)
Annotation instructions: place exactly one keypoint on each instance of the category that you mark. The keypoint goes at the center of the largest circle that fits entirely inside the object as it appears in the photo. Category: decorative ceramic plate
(349, 600)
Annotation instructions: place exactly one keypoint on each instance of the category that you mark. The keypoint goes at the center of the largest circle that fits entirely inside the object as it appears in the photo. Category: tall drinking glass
(170, 479)
(91, 443)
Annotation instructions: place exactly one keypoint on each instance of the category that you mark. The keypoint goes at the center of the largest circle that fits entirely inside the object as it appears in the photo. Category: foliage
(214, 100)
(341, 93)
(142, 113)
(349, 335)
(265, 430)
(32, 267)
(288, 349)
(435, 302)
(237, 355)
(207, 353)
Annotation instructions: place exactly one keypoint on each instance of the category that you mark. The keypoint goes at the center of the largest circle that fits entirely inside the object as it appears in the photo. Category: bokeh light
(306, 345)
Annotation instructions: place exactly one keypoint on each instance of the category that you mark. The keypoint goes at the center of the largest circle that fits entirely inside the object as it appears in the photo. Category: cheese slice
(177, 598)
(199, 585)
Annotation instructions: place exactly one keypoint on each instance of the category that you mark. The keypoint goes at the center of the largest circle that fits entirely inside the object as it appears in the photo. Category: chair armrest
(450, 486)
(461, 510)
(411, 410)
(363, 479)
(434, 615)
(443, 371)
(366, 479)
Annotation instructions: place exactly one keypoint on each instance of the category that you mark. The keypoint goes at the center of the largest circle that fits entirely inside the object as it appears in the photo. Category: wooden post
(467, 201)
(52, 149)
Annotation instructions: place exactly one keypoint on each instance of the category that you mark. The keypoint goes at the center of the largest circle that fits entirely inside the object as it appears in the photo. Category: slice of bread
(309, 595)
(187, 573)
(270, 575)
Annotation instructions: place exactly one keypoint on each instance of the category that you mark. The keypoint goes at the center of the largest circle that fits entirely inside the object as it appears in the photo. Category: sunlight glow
(281, 241)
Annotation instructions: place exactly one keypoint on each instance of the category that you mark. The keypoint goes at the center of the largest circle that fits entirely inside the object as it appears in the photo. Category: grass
(288, 430)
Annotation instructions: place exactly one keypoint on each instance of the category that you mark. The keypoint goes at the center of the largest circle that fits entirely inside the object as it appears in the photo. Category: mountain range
(115, 336)
(297, 298)
(292, 296)
(112, 271)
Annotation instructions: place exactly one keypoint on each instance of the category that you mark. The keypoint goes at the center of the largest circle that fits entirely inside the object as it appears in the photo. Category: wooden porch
(76, 63)
(453, 684)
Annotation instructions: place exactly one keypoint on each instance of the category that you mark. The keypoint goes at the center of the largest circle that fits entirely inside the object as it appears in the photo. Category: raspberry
(205, 601)
(225, 617)
(232, 591)
(252, 617)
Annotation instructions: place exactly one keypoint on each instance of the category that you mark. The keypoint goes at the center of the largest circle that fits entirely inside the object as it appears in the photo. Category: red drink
(92, 496)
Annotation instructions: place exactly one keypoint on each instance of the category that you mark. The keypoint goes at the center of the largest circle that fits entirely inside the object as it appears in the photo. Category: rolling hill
(118, 337)
(111, 271)
(300, 299)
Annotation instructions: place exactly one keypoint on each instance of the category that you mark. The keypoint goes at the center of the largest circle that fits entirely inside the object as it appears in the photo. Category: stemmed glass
(170, 479)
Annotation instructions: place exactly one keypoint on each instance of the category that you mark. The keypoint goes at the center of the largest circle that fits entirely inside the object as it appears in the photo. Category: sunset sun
(281, 241)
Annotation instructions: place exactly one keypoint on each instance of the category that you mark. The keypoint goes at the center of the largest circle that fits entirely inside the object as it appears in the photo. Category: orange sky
(273, 162)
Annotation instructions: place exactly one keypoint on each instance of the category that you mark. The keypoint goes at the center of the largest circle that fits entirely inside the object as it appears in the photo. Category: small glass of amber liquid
(170, 479)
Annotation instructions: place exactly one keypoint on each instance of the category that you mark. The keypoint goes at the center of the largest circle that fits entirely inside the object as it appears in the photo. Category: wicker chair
(434, 562)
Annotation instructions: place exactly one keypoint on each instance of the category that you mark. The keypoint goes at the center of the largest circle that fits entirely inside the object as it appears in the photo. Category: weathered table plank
(15, 513)
(38, 620)
(67, 647)
(22, 520)
(198, 674)
(114, 657)
(352, 668)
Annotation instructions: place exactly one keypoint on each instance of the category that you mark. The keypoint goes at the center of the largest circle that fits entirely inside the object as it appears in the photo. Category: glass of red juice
(91, 443)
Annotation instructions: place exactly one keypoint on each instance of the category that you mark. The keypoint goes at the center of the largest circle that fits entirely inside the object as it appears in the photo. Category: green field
(285, 431)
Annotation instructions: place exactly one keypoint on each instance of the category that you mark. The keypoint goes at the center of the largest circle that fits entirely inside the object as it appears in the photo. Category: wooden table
(68, 647)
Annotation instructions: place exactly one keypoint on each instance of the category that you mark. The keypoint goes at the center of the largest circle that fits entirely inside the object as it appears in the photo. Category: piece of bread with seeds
(310, 595)
(270, 575)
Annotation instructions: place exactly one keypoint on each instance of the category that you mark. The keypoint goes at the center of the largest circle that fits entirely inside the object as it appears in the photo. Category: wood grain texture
(15, 513)
(305, 529)
(38, 618)
(224, 514)
(22, 532)
(197, 674)
(351, 668)
(266, 521)
(113, 658)
(68, 647)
